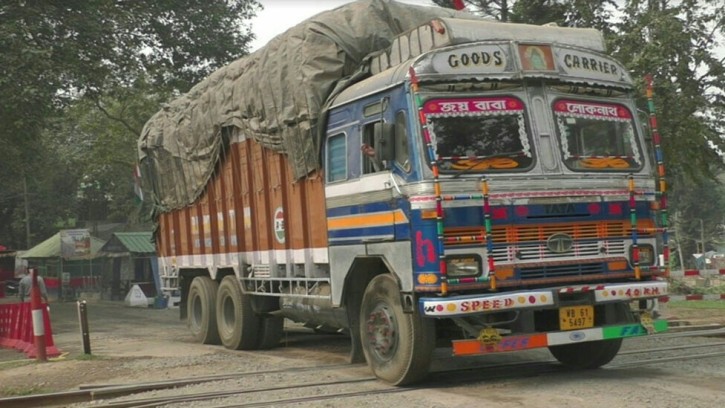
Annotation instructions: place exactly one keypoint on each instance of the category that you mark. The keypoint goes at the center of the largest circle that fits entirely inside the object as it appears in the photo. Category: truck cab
(517, 195)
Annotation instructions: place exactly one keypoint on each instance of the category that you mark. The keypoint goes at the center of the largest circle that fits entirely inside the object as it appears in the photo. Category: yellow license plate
(576, 317)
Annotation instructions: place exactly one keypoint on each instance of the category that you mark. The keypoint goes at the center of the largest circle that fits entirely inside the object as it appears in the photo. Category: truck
(509, 195)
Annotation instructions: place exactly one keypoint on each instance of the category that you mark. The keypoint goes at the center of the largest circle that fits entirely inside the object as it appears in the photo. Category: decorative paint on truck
(253, 212)
(512, 203)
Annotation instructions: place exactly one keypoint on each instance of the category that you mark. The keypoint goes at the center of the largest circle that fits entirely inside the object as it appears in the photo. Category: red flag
(459, 4)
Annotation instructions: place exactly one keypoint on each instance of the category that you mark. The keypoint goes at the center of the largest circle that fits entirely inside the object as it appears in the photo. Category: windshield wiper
(479, 159)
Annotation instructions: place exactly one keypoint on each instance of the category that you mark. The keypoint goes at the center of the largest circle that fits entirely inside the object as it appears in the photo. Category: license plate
(576, 317)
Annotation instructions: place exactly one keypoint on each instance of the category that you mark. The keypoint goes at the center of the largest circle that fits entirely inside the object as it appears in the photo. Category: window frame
(601, 110)
(528, 145)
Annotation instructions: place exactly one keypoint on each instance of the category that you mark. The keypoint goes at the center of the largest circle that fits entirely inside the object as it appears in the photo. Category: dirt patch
(142, 344)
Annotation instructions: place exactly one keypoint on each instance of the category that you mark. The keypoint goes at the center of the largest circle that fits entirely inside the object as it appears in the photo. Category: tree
(565, 13)
(674, 43)
(53, 52)
(46, 186)
(699, 217)
(498, 9)
(54, 55)
(570, 13)
(101, 137)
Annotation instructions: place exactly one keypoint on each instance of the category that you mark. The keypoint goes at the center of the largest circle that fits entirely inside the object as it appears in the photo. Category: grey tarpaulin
(275, 96)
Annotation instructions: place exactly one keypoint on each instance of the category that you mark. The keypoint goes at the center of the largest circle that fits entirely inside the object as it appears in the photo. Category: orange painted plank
(507, 344)
(236, 210)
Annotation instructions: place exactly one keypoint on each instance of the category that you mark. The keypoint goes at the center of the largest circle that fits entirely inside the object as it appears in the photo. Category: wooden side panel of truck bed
(252, 210)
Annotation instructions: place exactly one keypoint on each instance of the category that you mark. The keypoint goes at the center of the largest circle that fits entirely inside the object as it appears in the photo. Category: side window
(336, 158)
(401, 141)
(370, 164)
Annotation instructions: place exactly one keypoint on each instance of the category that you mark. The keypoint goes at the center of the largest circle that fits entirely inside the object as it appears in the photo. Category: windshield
(479, 134)
(597, 136)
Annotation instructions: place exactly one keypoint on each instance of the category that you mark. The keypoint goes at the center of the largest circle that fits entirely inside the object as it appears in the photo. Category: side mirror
(384, 135)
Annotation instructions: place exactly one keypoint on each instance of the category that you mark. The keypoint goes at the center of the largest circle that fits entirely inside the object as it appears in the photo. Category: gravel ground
(131, 345)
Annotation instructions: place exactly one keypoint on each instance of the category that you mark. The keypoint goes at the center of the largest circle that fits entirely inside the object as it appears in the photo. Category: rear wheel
(239, 327)
(398, 346)
(587, 355)
(201, 318)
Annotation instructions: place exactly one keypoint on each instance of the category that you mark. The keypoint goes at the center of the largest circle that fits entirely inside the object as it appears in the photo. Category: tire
(397, 346)
(201, 317)
(587, 355)
(594, 354)
(239, 326)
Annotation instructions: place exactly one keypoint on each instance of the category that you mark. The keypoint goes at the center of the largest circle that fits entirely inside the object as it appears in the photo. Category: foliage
(78, 81)
(580, 13)
(22, 391)
(498, 9)
(7, 365)
(699, 214)
(697, 304)
(107, 129)
(686, 287)
(674, 44)
(569, 13)
(45, 180)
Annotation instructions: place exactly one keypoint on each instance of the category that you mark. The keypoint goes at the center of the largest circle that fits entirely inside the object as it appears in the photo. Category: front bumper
(469, 305)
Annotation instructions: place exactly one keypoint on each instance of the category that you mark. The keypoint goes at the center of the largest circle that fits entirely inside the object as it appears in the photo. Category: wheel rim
(382, 332)
(196, 312)
(228, 314)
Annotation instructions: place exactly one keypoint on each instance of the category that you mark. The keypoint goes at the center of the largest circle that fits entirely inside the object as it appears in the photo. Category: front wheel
(587, 355)
(397, 346)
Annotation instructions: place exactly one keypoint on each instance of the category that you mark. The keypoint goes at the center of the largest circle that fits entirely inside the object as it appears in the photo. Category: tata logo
(560, 243)
(559, 209)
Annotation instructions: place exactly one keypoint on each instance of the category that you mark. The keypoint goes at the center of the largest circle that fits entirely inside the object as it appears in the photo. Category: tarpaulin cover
(275, 96)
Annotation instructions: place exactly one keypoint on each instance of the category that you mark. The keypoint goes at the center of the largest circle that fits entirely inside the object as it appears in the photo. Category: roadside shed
(69, 271)
(134, 262)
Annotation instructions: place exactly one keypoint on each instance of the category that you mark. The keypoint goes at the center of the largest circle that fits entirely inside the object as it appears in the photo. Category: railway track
(236, 394)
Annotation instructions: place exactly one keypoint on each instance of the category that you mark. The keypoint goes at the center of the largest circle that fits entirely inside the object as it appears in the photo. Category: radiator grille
(539, 251)
(522, 243)
(555, 271)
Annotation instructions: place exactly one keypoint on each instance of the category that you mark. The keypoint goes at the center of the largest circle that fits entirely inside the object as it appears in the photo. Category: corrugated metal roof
(50, 248)
(133, 242)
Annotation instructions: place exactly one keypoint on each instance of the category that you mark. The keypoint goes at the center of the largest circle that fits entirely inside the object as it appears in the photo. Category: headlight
(647, 255)
(463, 265)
